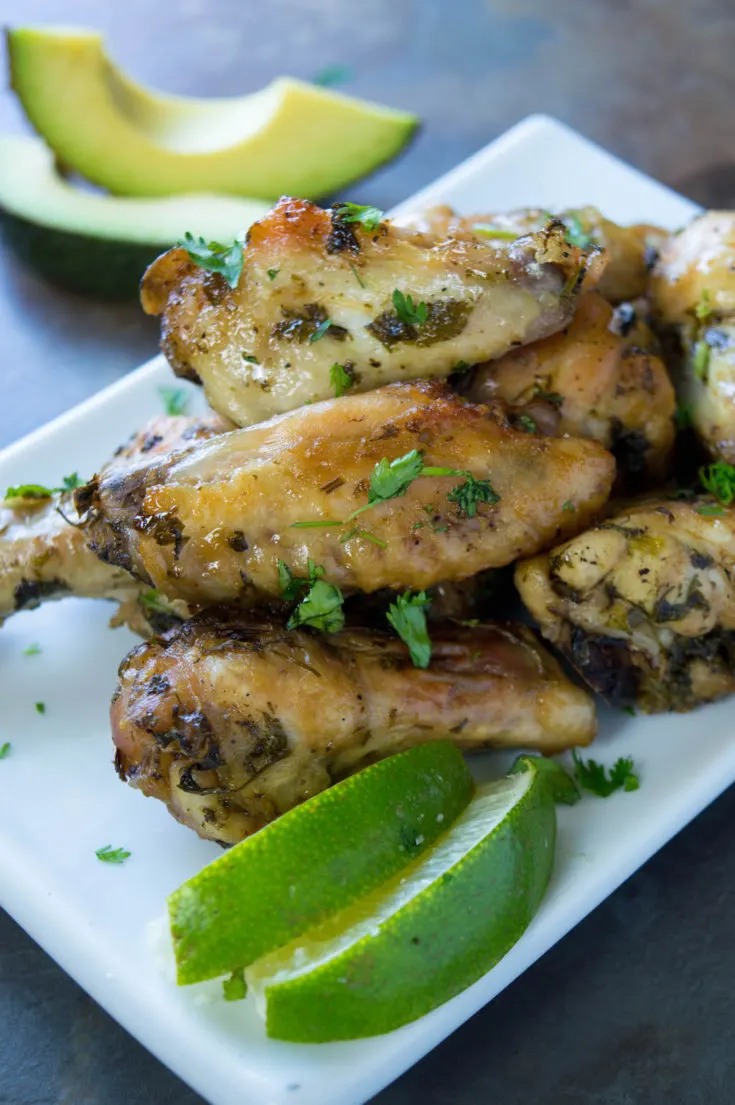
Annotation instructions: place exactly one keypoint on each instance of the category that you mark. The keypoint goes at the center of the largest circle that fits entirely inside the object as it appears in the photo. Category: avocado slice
(291, 137)
(89, 242)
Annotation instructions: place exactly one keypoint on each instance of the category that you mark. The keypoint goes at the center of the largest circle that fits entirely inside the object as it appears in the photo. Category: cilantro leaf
(485, 230)
(710, 510)
(175, 400)
(407, 615)
(341, 378)
(362, 213)
(468, 494)
(331, 75)
(391, 479)
(595, 778)
(32, 650)
(408, 312)
(108, 854)
(548, 396)
(5, 750)
(291, 588)
(569, 506)
(318, 334)
(157, 603)
(71, 483)
(575, 232)
(719, 479)
(700, 361)
(703, 310)
(273, 273)
(227, 260)
(527, 423)
(30, 491)
(321, 606)
(40, 707)
(234, 988)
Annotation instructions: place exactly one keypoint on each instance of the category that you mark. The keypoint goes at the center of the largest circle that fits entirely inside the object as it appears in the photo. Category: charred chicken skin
(211, 523)
(232, 723)
(643, 604)
(693, 296)
(384, 304)
(629, 250)
(597, 379)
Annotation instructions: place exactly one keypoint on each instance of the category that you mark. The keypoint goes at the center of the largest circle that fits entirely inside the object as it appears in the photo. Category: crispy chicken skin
(693, 296)
(628, 248)
(593, 379)
(209, 524)
(643, 604)
(262, 349)
(232, 723)
(43, 550)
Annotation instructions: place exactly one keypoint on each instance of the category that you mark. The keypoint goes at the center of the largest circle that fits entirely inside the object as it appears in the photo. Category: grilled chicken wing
(629, 249)
(232, 723)
(211, 523)
(593, 379)
(316, 291)
(643, 604)
(693, 294)
(43, 549)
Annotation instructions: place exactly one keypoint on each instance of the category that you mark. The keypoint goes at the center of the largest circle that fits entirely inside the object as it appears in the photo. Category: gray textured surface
(635, 1007)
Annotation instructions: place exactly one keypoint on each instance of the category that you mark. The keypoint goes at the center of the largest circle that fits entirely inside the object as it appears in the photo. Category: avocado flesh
(291, 137)
(94, 243)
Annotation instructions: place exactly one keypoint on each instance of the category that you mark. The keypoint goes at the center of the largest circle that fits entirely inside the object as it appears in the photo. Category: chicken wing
(630, 250)
(384, 305)
(211, 523)
(43, 548)
(594, 379)
(643, 604)
(693, 295)
(232, 723)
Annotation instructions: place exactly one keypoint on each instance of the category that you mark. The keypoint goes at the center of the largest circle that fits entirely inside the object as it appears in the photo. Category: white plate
(60, 799)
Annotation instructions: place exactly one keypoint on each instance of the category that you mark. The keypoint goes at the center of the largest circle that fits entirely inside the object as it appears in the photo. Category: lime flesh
(315, 860)
(427, 934)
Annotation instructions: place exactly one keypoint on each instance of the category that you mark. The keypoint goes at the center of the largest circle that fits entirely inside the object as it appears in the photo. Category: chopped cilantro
(719, 479)
(321, 606)
(249, 358)
(291, 588)
(357, 276)
(5, 750)
(683, 416)
(575, 233)
(108, 854)
(548, 396)
(527, 423)
(710, 510)
(703, 310)
(408, 312)
(595, 778)
(32, 650)
(569, 506)
(341, 379)
(468, 494)
(40, 707)
(175, 400)
(320, 331)
(38, 491)
(407, 615)
(700, 361)
(273, 273)
(391, 479)
(156, 602)
(484, 230)
(367, 216)
(234, 988)
(227, 260)
(331, 75)
(71, 483)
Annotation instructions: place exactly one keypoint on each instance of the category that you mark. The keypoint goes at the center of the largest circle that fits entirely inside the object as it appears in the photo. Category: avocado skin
(105, 268)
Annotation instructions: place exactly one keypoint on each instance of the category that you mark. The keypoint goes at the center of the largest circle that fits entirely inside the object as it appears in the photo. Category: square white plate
(60, 798)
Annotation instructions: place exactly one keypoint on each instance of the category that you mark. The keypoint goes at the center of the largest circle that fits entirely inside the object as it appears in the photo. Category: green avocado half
(93, 243)
(291, 137)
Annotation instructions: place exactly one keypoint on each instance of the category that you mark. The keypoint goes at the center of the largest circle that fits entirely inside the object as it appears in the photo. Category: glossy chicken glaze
(232, 723)
(643, 604)
(210, 523)
(258, 350)
(596, 379)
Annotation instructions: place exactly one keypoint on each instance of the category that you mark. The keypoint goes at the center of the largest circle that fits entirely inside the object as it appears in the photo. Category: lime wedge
(315, 860)
(424, 936)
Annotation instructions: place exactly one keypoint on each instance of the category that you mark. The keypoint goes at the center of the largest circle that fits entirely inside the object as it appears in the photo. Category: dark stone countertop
(635, 1006)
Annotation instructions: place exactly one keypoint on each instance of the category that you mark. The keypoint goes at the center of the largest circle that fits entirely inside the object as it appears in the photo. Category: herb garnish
(468, 494)
(575, 232)
(40, 707)
(357, 276)
(5, 750)
(175, 400)
(548, 396)
(407, 615)
(595, 778)
(569, 506)
(708, 510)
(527, 423)
(683, 416)
(485, 230)
(341, 379)
(227, 260)
(108, 854)
(321, 606)
(719, 479)
(703, 310)
(367, 216)
(234, 988)
(38, 491)
(408, 312)
(273, 273)
(290, 587)
(32, 650)
(320, 331)
(156, 602)
(700, 361)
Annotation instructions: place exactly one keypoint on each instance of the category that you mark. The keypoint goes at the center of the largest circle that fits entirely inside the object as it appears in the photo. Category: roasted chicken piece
(382, 304)
(43, 549)
(693, 296)
(211, 523)
(643, 604)
(597, 378)
(232, 723)
(630, 250)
